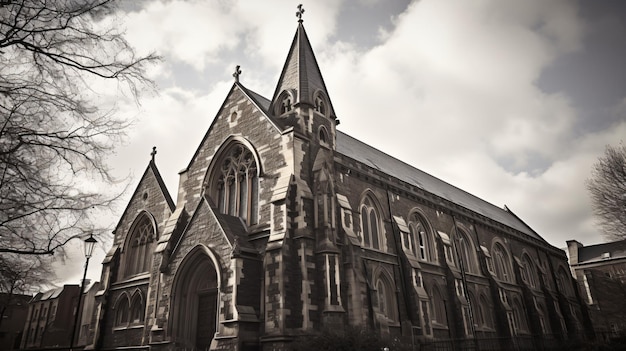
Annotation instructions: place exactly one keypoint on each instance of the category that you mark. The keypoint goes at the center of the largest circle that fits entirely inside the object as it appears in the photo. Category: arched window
(121, 311)
(438, 307)
(466, 252)
(543, 322)
(285, 103)
(320, 104)
(519, 317)
(137, 309)
(140, 246)
(527, 271)
(420, 241)
(237, 183)
(370, 225)
(563, 282)
(323, 135)
(386, 300)
(502, 263)
(485, 311)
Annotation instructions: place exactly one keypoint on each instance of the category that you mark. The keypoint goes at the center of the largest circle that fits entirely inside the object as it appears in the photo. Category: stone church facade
(284, 225)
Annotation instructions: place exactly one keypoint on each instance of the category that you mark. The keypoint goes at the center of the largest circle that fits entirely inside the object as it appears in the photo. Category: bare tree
(21, 275)
(607, 187)
(53, 136)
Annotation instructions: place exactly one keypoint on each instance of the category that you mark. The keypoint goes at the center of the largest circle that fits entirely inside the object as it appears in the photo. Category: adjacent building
(50, 318)
(600, 271)
(13, 313)
(284, 225)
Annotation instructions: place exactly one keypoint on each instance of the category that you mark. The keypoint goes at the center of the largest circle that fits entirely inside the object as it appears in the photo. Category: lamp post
(90, 244)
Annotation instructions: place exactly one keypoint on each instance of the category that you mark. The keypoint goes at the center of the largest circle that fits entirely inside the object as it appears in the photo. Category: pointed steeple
(301, 81)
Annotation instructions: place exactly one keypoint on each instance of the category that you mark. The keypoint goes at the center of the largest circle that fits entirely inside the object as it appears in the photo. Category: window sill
(128, 327)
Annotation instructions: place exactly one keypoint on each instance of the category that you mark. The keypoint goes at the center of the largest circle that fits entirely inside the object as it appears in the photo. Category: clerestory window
(419, 241)
(502, 263)
(237, 184)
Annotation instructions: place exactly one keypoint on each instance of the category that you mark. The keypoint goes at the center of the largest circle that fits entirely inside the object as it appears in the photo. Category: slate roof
(616, 249)
(366, 154)
(372, 157)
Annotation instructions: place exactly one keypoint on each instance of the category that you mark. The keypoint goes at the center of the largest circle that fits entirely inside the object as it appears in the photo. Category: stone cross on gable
(153, 153)
(237, 73)
(299, 13)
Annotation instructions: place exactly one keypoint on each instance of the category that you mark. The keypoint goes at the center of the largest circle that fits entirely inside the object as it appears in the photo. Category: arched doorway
(195, 302)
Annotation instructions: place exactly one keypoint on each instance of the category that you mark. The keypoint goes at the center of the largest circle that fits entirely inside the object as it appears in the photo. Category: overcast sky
(512, 101)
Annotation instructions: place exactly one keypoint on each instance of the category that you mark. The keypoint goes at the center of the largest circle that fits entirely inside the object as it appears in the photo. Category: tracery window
(140, 246)
(238, 184)
(370, 225)
(502, 263)
(419, 241)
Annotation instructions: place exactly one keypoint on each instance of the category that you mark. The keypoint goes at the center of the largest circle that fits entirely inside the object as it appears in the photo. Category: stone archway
(194, 307)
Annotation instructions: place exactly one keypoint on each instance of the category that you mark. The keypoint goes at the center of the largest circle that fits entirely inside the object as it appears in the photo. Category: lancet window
(370, 224)
(502, 263)
(419, 241)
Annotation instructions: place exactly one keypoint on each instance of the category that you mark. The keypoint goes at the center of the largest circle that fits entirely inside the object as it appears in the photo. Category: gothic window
(466, 252)
(485, 312)
(527, 271)
(320, 104)
(121, 311)
(140, 246)
(285, 103)
(438, 307)
(542, 318)
(563, 282)
(323, 135)
(237, 184)
(419, 242)
(385, 297)
(370, 225)
(502, 263)
(519, 318)
(137, 308)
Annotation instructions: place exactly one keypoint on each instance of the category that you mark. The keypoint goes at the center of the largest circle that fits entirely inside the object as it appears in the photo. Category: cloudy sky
(512, 101)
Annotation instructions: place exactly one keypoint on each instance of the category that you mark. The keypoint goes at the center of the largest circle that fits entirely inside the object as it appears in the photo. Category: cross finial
(153, 153)
(299, 13)
(237, 73)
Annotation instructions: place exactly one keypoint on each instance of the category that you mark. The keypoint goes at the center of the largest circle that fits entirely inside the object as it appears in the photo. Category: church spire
(301, 81)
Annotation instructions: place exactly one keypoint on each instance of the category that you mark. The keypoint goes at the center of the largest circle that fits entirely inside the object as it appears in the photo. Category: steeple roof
(301, 74)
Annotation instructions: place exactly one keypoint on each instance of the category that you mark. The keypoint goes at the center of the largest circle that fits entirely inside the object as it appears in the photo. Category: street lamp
(90, 244)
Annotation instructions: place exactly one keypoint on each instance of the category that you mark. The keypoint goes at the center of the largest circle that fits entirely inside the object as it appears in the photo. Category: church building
(284, 226)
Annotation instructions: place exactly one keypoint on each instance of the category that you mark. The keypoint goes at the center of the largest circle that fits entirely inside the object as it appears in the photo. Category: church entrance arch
(195, 302)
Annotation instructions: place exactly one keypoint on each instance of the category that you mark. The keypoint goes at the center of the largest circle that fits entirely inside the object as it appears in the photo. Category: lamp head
(90, 244)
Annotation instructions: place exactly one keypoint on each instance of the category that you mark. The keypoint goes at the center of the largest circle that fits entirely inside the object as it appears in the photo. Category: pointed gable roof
(151, 169)
(301, 72)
